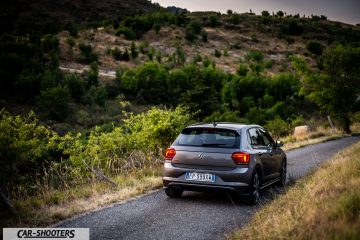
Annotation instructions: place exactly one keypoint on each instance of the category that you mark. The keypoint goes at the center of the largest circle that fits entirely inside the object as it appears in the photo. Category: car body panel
(266, 160)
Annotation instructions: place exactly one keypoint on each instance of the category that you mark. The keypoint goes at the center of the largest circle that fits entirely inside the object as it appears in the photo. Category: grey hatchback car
(227, 156)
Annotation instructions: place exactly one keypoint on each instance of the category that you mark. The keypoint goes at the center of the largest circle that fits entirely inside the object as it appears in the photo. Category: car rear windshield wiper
(212, 144)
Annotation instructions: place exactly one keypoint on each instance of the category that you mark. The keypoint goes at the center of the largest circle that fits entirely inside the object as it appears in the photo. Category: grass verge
(323, 205)
(55, 205)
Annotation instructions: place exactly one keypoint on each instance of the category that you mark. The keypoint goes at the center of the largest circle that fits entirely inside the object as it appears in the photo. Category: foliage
(76, 86)
(213, 19)
(217, 53)
(336, 89)
(193, 29)
(25, 148)
(315, 47)
(134, 145)
(54, 103)
(133, 50)
(93, 76)
(278, 127)
(87, 54)
(242, 70)
(265, 13)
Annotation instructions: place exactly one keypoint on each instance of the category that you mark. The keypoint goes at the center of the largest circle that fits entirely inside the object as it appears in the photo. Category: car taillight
(241, 158)
(170, 154)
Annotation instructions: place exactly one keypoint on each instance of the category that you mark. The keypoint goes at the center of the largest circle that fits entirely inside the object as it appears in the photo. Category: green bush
(136, 144)
(93, 75)
(76, 86)
(87, 54)
(315, 48)
(133, 50)
(128, 33)
(54, 103)
(255, 55)
(278, 127)
(242, 70)
(25, 148)
(213, 20)
(217, 53)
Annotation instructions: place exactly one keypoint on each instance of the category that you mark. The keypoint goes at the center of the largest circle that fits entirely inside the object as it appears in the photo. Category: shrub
(134, 51)
(190, 34)
(128, 33)
(217, 53)
(255, 55)
(213, 19)
(157, 27)
(242, 70)
(93, 76)
(25, 148)
(235, 19)
(134, 145)
(116, 53)
(315, 48)
(87, 54)
(204, 36)
(54, 103)
(50, 43)
(76, 86)
(278, 127)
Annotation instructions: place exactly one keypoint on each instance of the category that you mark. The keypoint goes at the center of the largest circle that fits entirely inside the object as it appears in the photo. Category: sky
(347, 11)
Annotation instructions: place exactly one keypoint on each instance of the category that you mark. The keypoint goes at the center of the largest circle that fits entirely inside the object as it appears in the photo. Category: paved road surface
(196, 215)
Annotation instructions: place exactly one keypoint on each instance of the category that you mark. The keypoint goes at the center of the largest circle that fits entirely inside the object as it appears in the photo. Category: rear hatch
(206, 148)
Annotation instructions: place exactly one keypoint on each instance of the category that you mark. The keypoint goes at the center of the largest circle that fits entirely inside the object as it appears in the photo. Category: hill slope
(24, 15)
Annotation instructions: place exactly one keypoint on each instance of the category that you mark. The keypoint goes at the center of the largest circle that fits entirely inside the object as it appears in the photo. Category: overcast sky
(338, 10)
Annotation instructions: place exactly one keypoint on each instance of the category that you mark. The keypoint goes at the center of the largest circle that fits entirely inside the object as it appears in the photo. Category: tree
(335, 90)
(265, 13)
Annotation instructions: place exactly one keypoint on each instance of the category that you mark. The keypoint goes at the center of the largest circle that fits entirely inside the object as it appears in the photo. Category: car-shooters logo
(46, 233)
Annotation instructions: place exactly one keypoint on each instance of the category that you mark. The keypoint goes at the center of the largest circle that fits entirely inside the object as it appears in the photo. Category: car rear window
(208, 137)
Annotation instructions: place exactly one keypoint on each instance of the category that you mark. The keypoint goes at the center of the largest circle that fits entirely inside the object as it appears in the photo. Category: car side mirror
(279, 143)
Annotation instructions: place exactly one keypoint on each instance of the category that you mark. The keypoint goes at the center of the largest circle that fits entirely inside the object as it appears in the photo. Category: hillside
(48, 15)
(233, 41)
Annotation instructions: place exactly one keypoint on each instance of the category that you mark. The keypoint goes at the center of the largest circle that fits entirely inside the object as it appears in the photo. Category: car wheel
(174, 192)
(282, 180)
(254, 193)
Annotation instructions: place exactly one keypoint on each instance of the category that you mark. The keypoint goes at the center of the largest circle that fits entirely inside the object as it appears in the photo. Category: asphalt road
(195, 215)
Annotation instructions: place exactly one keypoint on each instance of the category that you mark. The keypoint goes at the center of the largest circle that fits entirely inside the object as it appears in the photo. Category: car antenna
(214, 123)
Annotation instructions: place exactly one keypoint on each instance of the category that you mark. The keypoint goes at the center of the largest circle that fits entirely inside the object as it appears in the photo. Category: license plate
(203, 177)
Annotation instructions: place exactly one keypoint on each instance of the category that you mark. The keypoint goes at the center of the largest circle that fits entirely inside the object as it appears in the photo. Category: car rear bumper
(230, 180)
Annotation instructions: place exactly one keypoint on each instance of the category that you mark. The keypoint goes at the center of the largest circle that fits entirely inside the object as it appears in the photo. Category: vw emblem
(201, 155)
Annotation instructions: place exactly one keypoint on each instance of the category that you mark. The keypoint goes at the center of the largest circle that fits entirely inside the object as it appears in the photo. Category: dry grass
(320, 134)
(53, 206)
(324, 205)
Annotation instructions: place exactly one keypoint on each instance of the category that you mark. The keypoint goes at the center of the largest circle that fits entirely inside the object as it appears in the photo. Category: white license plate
(203, 177)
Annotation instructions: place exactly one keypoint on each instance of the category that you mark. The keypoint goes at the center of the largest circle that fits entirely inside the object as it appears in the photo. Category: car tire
(254, 193)
(282, 180)
(174, 192)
